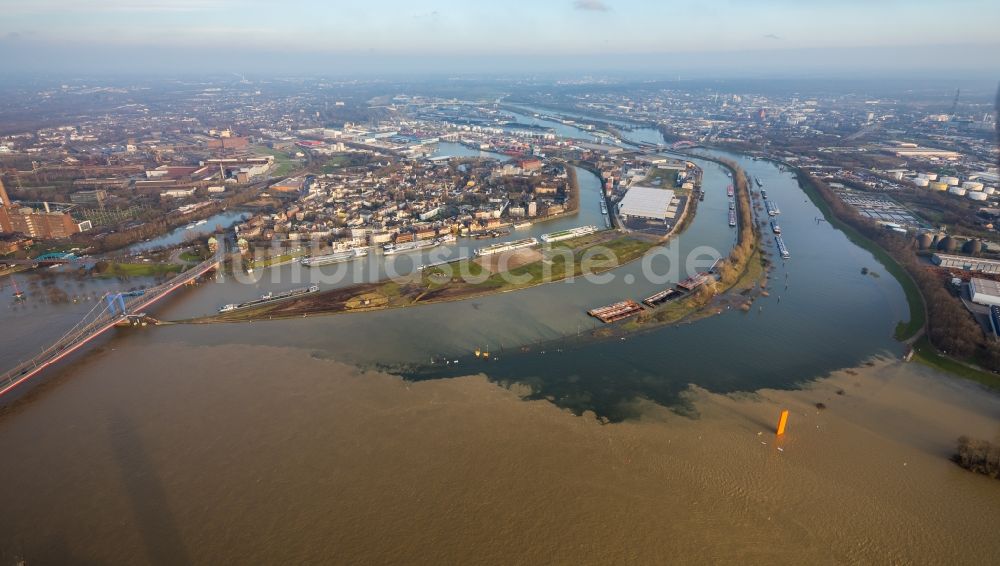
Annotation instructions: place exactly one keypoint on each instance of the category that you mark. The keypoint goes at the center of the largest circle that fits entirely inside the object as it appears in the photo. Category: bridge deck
(88, 330)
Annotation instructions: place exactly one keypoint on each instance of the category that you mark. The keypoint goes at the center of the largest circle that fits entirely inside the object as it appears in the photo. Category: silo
(972, 247)
(924, 241)
(948, 244)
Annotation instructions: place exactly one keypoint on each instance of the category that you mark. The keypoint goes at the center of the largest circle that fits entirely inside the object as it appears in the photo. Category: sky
(499, 36)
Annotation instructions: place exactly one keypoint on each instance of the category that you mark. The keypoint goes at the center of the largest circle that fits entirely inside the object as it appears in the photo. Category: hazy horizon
(757, 38)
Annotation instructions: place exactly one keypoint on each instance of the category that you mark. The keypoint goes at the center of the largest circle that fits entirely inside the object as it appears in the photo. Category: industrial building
(648, 203)
(966, 263)
(44, 223)
(984, 291)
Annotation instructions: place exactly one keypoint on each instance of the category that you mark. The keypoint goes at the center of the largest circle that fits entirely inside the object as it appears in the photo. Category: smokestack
(4, 199)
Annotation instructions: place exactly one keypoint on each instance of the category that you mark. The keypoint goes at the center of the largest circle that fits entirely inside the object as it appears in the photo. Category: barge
(568, 234)
(772, 209)
(732, 218)
(729, 191)
(693, 282)
(756, 179)
(661, 297)
(337, 257)
(616, 312)
(390, 249)
(775, 228)
(271, 298)
(782, 249)
(506, 246)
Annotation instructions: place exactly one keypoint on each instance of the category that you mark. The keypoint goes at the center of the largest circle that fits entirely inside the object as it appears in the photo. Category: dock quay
(661, 297)
(616, 312)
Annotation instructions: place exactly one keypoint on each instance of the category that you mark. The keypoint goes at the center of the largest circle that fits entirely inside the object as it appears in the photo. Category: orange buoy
(782, 422)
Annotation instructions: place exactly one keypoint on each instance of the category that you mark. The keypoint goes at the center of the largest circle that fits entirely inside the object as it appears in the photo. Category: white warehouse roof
(647, 202)
(984, 291)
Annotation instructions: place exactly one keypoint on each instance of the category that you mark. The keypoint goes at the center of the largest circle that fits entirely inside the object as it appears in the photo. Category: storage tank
(972, 185)
(939, 186)
(950, 181)
(931, 176)
(921, 181)
(924, 241)
(972, 247)
(957, 191)
(948, 244)
(977, 195)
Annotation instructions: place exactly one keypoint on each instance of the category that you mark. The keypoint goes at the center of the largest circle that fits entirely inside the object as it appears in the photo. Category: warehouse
(984, 291)
(647, 203)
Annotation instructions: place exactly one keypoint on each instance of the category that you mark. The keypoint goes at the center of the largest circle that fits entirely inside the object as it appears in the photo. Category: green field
(127, 270)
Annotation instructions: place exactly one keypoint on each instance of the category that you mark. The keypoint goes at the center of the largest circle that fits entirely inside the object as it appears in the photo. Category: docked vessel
(507, 246)
(200, 222)
(782, 249)
(447, 239)
(270, 298)
(337, 257)
(772, 209)
(522, 225)
(775, 228)
(732, 204)
(617, 311)
(417, 245)
(730, 191)
(756, 179)
(763, 194)
(568, 234)
(732, 218)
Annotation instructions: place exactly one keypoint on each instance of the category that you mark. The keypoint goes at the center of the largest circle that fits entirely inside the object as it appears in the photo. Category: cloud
(591, 6)
(771, 36)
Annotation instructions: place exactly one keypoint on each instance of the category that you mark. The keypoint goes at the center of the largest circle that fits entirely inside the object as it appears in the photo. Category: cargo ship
(763, 194)
(732, 218)
(775, 228)
(522, 225)
(336, 257)
(447, 239)
(568, 234)
(617, 311)
(732, 204)
(604, 206)
(270, 298)
(390, 249)
(781, 247)
(729, 190)
(772, 209)
(506, 246)
(756, 179)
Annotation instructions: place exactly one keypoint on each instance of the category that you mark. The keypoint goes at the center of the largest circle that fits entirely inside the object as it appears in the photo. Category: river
(263, 441)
